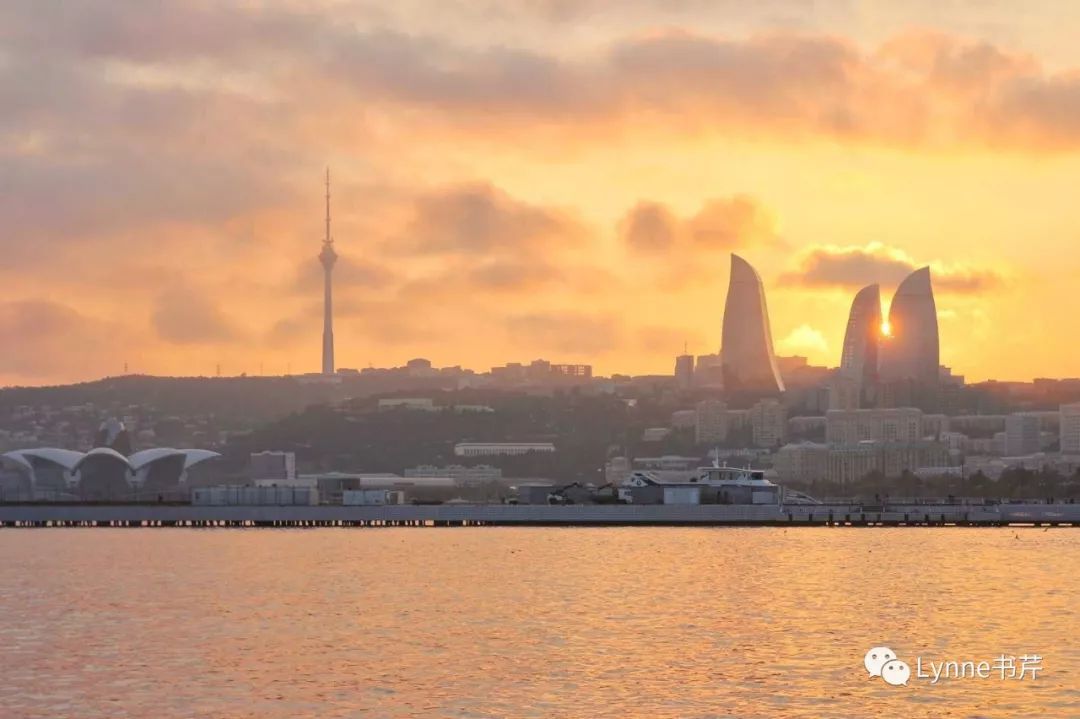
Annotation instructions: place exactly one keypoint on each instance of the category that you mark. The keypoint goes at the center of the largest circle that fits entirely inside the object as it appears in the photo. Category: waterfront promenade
(182, 515)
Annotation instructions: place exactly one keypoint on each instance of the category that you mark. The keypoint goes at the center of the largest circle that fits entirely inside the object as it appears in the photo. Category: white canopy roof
(66, 458)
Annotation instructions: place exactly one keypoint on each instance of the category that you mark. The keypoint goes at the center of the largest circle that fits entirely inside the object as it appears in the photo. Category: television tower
(328, 257)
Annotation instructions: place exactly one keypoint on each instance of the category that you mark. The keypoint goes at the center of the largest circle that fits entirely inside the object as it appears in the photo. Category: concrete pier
(458, 515)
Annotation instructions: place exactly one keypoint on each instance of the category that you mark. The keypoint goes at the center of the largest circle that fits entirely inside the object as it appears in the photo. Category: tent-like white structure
(173, 464)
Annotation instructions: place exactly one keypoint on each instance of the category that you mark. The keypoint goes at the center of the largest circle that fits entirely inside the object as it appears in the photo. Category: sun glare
(886, 329)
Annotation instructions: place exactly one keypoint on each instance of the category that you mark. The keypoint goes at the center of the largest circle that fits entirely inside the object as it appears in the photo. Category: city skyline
(441, 357)
(557, 194)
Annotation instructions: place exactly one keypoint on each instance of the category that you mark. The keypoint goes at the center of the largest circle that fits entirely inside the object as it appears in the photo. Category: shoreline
(181, 515)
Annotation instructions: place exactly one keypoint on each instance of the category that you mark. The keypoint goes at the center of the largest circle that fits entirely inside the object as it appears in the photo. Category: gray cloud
(432, 71)
(722, 224)
(682, 252)
(649, 227)
(848, 268)
(859, 266)
(168, 30)
(101, 134)
(479, 219)
(915, 88)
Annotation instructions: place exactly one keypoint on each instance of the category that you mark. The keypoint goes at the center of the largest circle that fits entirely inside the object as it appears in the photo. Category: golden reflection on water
(538, 622)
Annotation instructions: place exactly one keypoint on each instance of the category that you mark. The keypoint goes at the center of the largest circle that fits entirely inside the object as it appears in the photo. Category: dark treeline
(1013, 484)
(585, 429)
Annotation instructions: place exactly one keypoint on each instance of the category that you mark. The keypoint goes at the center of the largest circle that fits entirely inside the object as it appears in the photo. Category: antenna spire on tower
(328, 240)
(328, 257)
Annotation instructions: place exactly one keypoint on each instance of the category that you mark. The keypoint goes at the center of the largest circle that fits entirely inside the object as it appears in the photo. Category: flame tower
(749, 364)
(912, 351)
(328, 257)
(859, 360)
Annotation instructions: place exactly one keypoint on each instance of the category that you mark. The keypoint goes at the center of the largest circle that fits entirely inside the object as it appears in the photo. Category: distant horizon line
(315, 375)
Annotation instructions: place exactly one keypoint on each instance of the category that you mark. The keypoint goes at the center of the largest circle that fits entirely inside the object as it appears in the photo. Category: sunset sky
(542, 178)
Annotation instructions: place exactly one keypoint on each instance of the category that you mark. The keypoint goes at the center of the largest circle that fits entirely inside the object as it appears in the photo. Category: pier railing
(166, 515)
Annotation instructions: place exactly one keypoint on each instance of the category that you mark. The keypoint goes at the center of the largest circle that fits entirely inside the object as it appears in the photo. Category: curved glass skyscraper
(859, 361)
(747, 350)
(910, 351)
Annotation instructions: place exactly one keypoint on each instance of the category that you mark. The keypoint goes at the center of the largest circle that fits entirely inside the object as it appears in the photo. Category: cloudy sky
(528, 178)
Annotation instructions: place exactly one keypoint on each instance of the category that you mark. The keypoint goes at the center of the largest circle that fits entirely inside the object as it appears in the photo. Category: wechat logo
(882, 662)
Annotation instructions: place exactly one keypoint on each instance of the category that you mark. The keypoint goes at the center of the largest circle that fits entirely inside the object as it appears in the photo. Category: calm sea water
(538, 622)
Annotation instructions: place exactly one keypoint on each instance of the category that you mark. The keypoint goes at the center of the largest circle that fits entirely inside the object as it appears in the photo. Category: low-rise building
(850, 427)
(372, 497)
(655, 434)
(851, 462)
(333, 485)
(461, 474)
(804, 426)
(535, 492)
(233, 495)
(507, 449)
(425, 404)
(1021, 434)
(1069, 428)
(273, 465)
(684, 419)
(617, 469)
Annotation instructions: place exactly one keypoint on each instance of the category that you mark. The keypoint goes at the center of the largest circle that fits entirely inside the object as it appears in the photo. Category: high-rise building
(1070, 428)
(684, 371)
(328, 257)
(909, 347)
(747, 349)
(712, 422)
(1021, 434)
(768, 422)
(859, 359)
(709, 371)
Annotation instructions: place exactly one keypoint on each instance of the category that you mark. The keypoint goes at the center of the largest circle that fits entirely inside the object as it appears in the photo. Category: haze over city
(544, 179)
(539, 358)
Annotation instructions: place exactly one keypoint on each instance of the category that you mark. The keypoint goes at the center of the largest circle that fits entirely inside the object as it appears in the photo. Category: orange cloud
(52, 341)
(184, 315)
(681, 251)
(146, 147)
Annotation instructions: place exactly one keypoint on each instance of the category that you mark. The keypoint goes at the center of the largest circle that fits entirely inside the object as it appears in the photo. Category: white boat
(707, 485)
